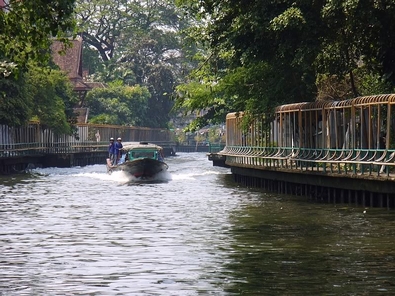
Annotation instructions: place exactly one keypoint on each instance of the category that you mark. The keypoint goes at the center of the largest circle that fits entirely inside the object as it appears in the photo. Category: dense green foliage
(119, 105)
(213, 56)
(41, 94)
(26, 28)
(26, 32)
(15, 105)
(264, 53)
(137, 42)
(53, 99)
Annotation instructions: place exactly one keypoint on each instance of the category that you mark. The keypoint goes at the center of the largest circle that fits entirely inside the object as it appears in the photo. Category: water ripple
(80, 231)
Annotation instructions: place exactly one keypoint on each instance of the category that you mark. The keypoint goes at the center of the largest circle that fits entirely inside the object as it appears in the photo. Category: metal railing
(23, 149)
(33, 139)
(365, 162)
(214, 148)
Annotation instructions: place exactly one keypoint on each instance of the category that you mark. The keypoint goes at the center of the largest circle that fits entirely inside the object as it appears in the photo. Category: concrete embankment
(368, 190)
(16, 164)
(331, 188)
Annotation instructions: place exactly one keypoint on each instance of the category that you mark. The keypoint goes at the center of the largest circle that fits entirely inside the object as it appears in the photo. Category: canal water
(79, 231)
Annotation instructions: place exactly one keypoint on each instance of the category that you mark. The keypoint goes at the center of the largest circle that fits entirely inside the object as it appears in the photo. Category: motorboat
(140, 159)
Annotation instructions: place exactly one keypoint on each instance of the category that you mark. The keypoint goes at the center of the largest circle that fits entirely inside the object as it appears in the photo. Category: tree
(26, 28)
(26, 31)
(357, 36)
(15, 105)
(264, 53)
(53, 99)
(119, 105)
(246, 67)
(138, 42)
(41, 94)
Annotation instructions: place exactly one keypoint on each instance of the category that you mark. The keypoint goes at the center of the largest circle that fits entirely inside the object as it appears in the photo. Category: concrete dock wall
(319, 187)
(18, 164)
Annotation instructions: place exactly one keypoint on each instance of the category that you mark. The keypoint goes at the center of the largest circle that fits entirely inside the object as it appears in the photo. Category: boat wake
(123, 178)
(194, 176)
(97, 173)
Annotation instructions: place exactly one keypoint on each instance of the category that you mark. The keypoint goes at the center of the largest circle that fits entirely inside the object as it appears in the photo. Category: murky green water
(80, 231)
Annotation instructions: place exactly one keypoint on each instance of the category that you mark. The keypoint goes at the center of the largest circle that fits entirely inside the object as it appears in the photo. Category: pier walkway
(332, 151)
(364, 178)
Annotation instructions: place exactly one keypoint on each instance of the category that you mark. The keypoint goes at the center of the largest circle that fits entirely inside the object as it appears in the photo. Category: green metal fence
(34, 140)
(364, 162)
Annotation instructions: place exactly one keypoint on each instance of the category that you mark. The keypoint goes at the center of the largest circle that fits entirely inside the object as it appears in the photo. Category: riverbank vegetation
(259, 54)
(163, 58)
(137, 43)
(119, 105)
(29, 89)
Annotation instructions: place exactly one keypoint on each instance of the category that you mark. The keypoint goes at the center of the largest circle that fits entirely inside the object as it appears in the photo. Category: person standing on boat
(117, 151)
(111, 150)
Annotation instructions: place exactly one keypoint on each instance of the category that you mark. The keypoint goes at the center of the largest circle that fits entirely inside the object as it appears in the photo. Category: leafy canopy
(53, 99)
(15, 105)
(27, 88)
(137, 42)
(26, 29)
(259, 54)
(119, 105)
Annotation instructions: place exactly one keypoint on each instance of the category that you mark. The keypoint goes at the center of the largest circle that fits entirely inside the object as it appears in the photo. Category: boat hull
(140, 168)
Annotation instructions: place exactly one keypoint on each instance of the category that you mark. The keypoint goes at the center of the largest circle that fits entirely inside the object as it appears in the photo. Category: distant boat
(142, 160)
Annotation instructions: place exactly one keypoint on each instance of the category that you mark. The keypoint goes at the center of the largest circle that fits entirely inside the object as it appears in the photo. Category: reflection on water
(290, 247)
(80, 231)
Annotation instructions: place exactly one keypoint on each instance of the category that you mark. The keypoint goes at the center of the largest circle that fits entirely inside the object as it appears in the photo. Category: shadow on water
(285, 246)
